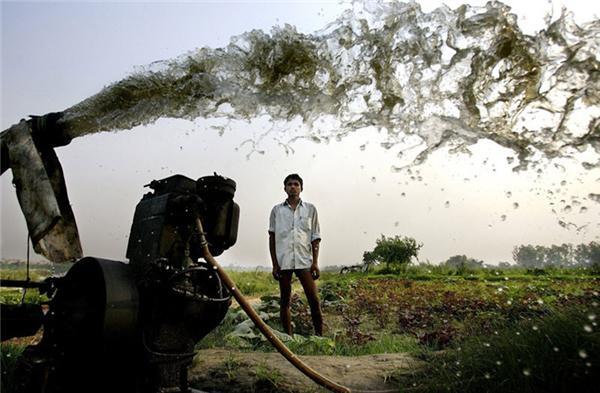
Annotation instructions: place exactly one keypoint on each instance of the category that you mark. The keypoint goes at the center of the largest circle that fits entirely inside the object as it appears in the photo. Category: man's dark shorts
(296, 271)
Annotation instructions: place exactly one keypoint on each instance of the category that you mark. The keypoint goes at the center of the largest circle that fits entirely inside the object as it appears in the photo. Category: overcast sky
(56, 54)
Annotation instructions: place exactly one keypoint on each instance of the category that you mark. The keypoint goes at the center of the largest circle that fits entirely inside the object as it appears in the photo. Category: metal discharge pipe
(262, 326)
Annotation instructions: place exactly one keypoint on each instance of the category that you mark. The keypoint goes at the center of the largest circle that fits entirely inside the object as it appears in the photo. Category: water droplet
(555, 349)
(540, 301)
(567, 209)
(515, 205)
(583, 210)
(503, 217)
(396, 223)
(363, 147)
(583, 354)
(588, 328)
(591, 317)
(563, 183)
(487, 345)
(526, 372)
(508, 302)
(458, 374)
(487, 376)
(588, 364)
(403, 194)
(498, 362)
(447, 204)
(534, 327)
(373, 179)
(508, 194)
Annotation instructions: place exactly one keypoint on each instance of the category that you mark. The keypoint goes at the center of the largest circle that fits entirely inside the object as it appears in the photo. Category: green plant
(267, 378)
(463, 264)
(558, 353)
(231, 365)
(396, 252)
(10, 354)
(254, 283)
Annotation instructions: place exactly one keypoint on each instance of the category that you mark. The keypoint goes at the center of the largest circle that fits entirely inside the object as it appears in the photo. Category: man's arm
(276, 268)
(272, 251)
(315, 242)
(314, 267)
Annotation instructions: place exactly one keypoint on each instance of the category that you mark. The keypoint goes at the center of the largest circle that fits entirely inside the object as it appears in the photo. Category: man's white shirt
(294, 232)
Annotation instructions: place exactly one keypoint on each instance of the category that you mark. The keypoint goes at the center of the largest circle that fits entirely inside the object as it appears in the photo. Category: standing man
(294, 238)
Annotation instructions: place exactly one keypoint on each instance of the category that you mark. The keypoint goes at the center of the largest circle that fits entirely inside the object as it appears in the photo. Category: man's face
(293, 188)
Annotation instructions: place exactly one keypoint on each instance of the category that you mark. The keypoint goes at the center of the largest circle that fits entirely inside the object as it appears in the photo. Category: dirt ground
(226, 371)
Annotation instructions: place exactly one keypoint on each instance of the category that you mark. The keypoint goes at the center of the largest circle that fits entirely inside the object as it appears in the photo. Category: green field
(476, 331)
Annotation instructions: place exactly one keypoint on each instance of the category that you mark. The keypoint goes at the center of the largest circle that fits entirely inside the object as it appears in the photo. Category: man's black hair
(293, 176)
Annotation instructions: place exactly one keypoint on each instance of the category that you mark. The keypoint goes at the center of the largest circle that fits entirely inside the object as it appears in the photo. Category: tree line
(397, 252)
(564, 255)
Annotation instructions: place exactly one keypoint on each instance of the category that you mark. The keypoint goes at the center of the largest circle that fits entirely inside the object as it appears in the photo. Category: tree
(369, 259)
(396, 252)
(588, 255)
(559, 256)
(504, 265)
(462, 263)
(529, 256)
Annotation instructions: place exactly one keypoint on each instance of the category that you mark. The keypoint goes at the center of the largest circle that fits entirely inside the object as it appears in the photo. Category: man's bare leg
(285, 292)
(312, 295)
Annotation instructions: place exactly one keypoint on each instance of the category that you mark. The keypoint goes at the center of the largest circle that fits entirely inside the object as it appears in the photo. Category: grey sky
(56, 54)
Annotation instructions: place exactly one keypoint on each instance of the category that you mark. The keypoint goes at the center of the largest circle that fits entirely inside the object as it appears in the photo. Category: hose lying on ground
(262, 326)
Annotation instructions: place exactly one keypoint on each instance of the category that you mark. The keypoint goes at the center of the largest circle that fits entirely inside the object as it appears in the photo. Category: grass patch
(267, 376)
(256, 283)
(14, 296)
(231, 366)
(557, 353)
(386, 343)
(10, 354)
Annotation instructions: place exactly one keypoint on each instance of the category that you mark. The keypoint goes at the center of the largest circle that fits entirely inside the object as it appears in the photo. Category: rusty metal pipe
(262, 326)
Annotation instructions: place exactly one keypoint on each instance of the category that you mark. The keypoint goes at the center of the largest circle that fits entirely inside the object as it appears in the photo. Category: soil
(227, 371)
(232, 371)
